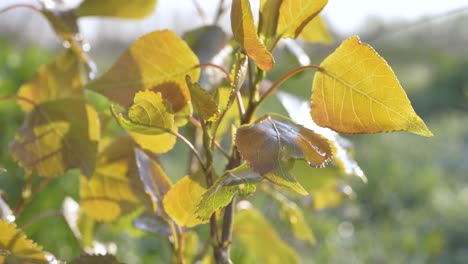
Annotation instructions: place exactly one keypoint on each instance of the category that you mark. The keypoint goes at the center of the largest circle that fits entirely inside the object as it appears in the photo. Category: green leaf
(58, 135)
(134, 9)
(95, 259)
(202, 101)
(296, 14)
(243, 28)
(182, 199)
(151, 63)
(147, 115)
(155, 180)
(273, 141)
(239, 180)
(14, 243)
(259, 237)
(109, 193)
(58, 79)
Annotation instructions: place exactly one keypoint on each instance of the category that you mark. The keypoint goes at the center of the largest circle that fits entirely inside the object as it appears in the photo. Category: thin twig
(200, 12)
(197, 124)
(209, 64)
(42, 216)
(35, 8)
(17, 97)
(190, 145)
(219, 12)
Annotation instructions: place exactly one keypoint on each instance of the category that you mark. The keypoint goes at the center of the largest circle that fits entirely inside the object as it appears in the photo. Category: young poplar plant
(203, 90)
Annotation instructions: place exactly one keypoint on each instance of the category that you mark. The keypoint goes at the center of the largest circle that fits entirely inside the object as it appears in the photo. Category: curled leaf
(357, 92)
(243, 28)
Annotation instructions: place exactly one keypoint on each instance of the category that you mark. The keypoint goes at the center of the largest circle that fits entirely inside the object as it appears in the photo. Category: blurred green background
(413, 208)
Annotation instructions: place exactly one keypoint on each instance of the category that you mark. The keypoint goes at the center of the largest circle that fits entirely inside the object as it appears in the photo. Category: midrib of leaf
(299, 17)
(358, 91)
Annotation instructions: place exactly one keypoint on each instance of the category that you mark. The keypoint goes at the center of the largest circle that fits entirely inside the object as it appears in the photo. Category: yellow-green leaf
(117, 8)
(269, 13)
(64, 22)
(357, 92)
(58, 135)
(58, 79)
(182, 199)
(151, 63)
(260, 238)
(109, 194)
(14, 243)
(243, 28)
(296, 14)
(202, 101)
(316, 31)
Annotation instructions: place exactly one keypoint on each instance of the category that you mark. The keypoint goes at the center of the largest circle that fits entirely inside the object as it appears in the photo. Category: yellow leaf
(158, 61)
(58, 79)
(357, 92)
(13, 242)
(182, 199)
(117, 8)
(316, 31)
(155, 143)
(109, 194)
(296, 14)
(243, 28)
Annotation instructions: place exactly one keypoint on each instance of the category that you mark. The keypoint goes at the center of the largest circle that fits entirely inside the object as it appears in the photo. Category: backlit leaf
(14, 243)
(109, 194)
(269, 144)
(155, 180)
(95, 259)
(296, 14)
(243, 28)
(151, 63)
(117, 8)
(269, 13)
(202, 102)
(357, 92)
(57, 136)
(58, 79)
(147, 115)
(239, 180)
(182, 199)
(316, 31)
(260, 238)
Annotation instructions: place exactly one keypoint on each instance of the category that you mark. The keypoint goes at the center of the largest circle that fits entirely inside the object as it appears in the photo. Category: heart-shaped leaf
(357, 92)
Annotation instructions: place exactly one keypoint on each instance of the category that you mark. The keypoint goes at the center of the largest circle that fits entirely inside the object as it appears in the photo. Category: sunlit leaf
(95, 259)
(296, 14)
(182, 199)
(109, 193)
(58, 79)
(243, 28)
(155, 180)
(239, 180)
(269, 144)
(14, 243)
(316, 31)
(357, 92)
(269, 13)
(147, 115)
(151, 63)
(155, 143)
(57, 136)
(299, 111)
(260, 238)
(203, 103)
(117, 8)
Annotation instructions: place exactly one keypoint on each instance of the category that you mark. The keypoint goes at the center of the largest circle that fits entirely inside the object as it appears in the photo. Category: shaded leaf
(58, 79)
(95, 259)
(14, 243)
(182, 199)
(57, 136)
(269, 13)
(243, 28)
(63, 21)
(191, 242)
(299, 111)
(206, 41)
(151, 63)
(316, 32)
(240, 180)
(202, 102)
(117, 8)
(109, 194)
(259, 237)
(155, 180)
(357, 92)
(147, 115)
(296, 14)
(153, 224)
